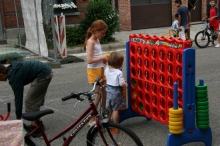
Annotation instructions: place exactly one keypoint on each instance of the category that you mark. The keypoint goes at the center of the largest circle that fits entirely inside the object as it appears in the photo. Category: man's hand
(179, 28)
(188, 25)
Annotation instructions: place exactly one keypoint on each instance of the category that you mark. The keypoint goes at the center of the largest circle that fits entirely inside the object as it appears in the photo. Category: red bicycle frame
(84, 118)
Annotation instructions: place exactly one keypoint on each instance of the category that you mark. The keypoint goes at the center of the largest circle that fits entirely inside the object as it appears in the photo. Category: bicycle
(100, 133)
(204, 37)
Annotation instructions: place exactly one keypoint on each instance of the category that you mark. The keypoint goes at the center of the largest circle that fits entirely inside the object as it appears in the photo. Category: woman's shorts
(93, 74)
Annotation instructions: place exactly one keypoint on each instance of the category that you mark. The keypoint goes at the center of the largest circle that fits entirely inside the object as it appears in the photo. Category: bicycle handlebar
(77, 95)
(72, 95)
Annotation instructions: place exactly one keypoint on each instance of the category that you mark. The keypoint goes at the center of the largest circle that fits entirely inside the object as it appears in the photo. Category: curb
(105, 47)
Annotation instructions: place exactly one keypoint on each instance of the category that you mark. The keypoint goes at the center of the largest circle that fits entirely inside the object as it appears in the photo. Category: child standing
(115, 82)
(175, 25)
(95, 59)
(213, 16)
(175, 22)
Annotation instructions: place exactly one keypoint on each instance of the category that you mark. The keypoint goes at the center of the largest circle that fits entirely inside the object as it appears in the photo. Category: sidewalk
(123, 36)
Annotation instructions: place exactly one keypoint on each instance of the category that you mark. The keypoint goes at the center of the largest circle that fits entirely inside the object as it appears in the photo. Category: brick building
(134, 14)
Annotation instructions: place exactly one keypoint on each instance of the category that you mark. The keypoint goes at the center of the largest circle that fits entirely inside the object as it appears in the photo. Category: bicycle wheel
(202, 39)
(120, 134)
(29, 141)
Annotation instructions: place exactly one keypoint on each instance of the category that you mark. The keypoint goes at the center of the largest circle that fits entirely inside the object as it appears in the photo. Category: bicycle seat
(33, 116)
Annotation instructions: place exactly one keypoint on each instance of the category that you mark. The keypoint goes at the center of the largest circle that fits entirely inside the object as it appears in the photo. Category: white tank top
(97, 52)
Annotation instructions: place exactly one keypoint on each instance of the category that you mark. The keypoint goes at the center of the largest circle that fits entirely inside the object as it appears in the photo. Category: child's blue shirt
(175, 24)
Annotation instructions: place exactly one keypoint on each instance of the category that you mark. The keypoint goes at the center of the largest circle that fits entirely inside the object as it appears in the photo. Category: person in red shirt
(213, 16)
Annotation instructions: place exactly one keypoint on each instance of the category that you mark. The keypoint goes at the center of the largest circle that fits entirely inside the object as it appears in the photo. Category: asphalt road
(72, 77)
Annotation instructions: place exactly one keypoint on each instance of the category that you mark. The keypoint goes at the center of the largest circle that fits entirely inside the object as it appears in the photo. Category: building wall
(204, 8)
(73, 19)
(124, 14)
(8, 14)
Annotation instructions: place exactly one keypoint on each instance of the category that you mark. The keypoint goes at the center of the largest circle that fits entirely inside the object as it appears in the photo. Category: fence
(27, 35)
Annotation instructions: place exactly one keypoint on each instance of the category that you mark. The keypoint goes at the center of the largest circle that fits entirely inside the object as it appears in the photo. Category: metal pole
(19, 33)
(1, 30)
(37, 26)
(113, 3)
(54, 38)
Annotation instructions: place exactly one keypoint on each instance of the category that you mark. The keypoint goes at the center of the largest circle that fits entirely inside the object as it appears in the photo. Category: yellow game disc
(176, 131)
(176, 128)
(175, 119)
(175, 123)
(175, 111)
(175, 116)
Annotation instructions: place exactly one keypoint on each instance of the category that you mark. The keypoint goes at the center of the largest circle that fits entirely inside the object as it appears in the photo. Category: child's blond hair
(115, 60)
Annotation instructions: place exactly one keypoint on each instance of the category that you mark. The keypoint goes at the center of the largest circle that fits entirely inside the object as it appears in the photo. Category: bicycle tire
(29, 141)
(123, 137)
(206, 40)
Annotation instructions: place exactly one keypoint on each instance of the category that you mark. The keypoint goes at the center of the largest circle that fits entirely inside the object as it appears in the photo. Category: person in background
(95, 60)
(175, 25)
(115, 83)
(184, 18)
(19, 74)
(213, 15)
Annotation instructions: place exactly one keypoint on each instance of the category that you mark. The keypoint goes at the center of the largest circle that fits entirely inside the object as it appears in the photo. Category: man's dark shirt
(23, 73)
(183, 12)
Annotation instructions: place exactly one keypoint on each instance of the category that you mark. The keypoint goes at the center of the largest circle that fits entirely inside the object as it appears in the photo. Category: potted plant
(64, 8)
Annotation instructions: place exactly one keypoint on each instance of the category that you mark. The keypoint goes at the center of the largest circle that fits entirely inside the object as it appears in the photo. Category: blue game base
(198, 135)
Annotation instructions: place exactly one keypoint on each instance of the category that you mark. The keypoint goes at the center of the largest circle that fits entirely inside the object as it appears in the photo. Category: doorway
(196, 10)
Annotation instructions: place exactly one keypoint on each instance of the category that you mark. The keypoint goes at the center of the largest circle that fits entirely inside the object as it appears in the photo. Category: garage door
(150, 13)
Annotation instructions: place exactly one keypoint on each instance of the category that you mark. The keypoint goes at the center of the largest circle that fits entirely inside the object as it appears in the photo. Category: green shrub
(49, 36)
(101, 9)
(74, 36)
(23, 39)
